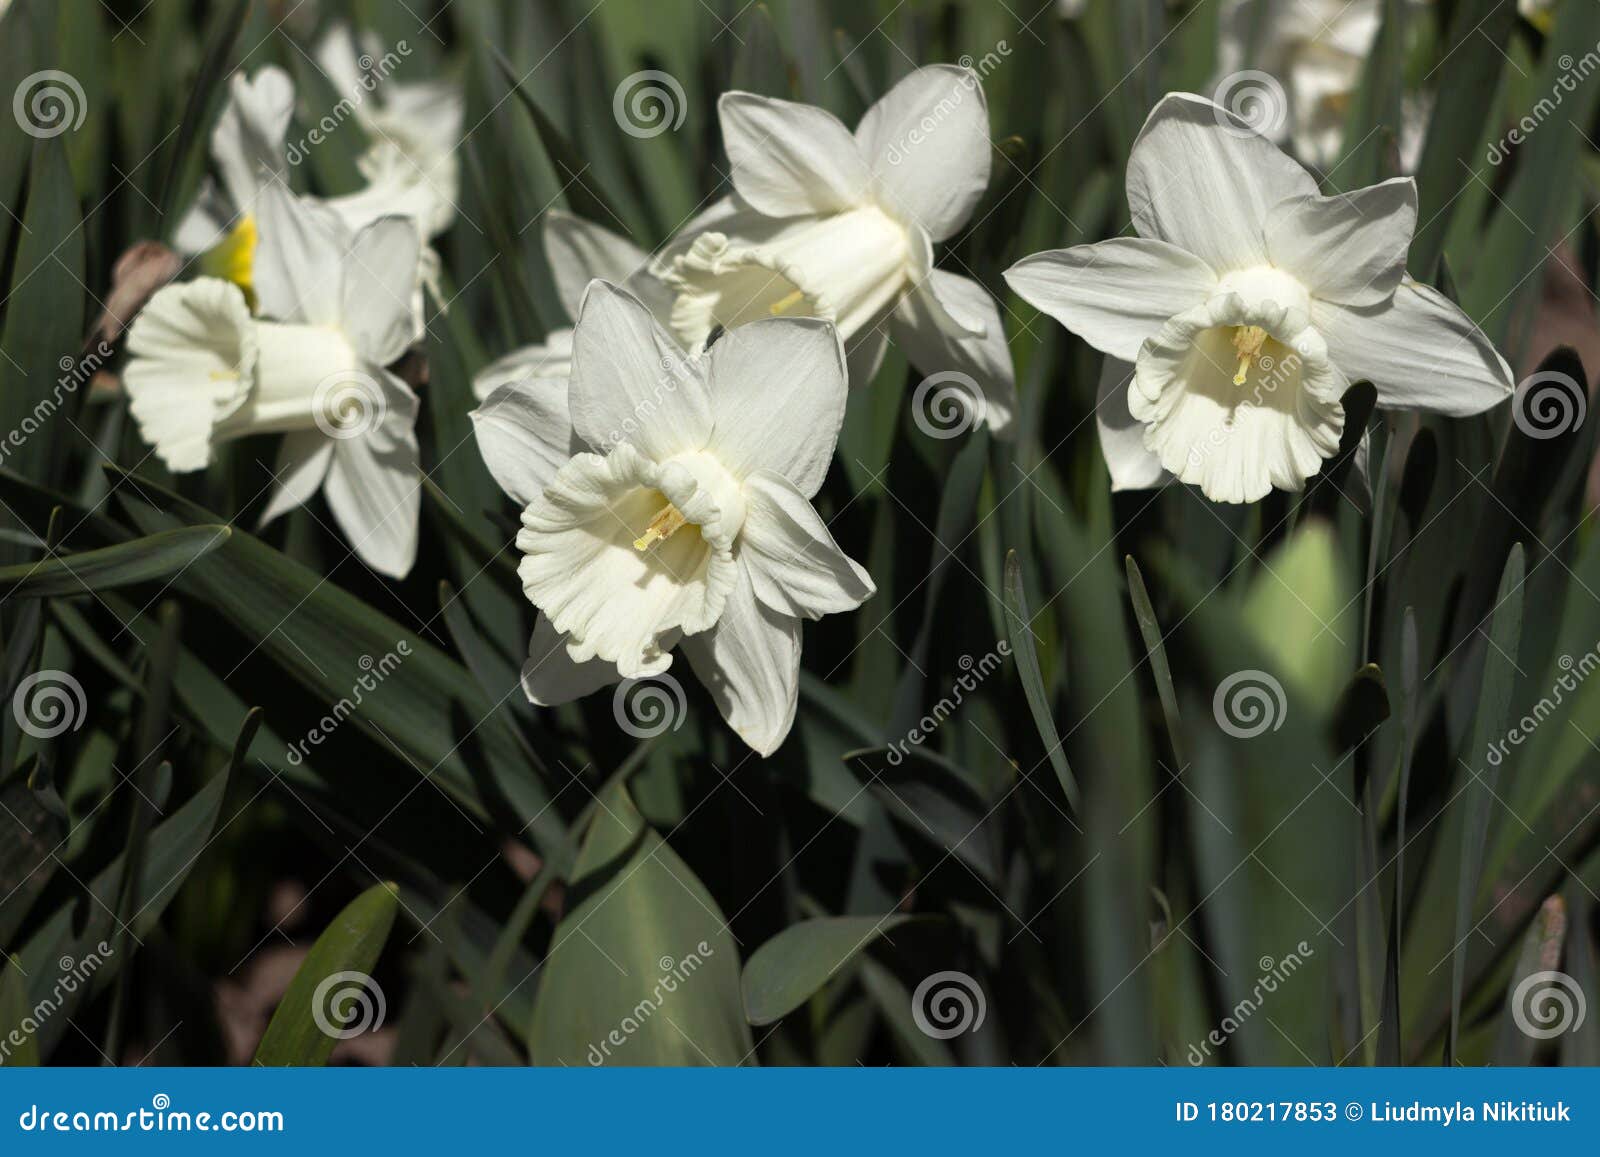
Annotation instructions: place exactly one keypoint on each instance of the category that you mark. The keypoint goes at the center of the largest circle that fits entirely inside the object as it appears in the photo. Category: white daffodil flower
(415, 128)
(666, 502)
(203, 371)
(579, 251)
(250, 150)
(1246, 306)
(826, 223)
(1317, 51)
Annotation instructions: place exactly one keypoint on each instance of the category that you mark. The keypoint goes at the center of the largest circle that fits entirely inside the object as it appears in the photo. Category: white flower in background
(666, 502)
(249, 150)
(839, 226)
(415, 128)
(1317, 49)
(203, 371)
(1540, 13)
(1246, 306)
(579, 251)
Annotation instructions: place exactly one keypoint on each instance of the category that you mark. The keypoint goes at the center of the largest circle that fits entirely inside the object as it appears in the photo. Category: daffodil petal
(1419, 350)
(750, 662)
(982, 362)
(374, 489)
(795, 565)
(551, 676)
(580, 251)
(1201, 179)
(1113, 294)
(524, 433)
(791, 159)
(1349, 248)
(778, 391)
(380, 277)
(927, 140)
(1132, 466)
(247, 142)
(303, 461)
(298, 271)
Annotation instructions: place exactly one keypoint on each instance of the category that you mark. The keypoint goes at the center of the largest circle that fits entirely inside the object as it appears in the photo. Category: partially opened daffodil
(203, 371)
(1246, 307)
(666, 503)
(579, 251)
(839, 225)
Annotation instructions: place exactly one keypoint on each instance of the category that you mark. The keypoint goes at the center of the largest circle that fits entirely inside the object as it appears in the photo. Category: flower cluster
(664, 450)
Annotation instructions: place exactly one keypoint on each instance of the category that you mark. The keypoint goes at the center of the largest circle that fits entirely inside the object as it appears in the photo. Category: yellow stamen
(667, 522)
(787, 303)
(1247, 343)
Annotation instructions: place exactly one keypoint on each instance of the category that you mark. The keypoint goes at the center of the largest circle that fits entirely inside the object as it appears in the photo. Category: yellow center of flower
(233, 258)
(1247, 343)
(788, 303)
(667, 522)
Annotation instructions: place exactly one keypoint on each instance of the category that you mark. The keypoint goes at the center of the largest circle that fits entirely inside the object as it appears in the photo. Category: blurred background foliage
(1113, 870)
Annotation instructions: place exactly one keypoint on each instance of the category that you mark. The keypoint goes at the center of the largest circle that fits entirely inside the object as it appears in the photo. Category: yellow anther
(1247, 343)
(787, 303)
(667, 522)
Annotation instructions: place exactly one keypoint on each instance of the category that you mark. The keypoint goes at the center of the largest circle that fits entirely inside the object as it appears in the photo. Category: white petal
(193, 355)
(551, 676)
(1115, 293)
(795, 566)
(206, 221)
(524, 433)
(790, 159)
(580, 251)
(927, 140)
(1419, 351)
(380, 279)
(1349, 248)
(777, 398)
(374, 488)
(1132, 466)
(298, 265)
(551, 358)
(750, 662)
(1201, 179)
(631, 382)
(247, 142)
(303, 461)
(981, 362)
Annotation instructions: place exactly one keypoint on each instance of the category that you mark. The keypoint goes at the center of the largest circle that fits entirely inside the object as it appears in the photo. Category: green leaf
(14, 1015)
(192, 127)
(154, 557)
(787, 970)
(333, 994)
(642, 970)
(1150, 631)
(1019, 628)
